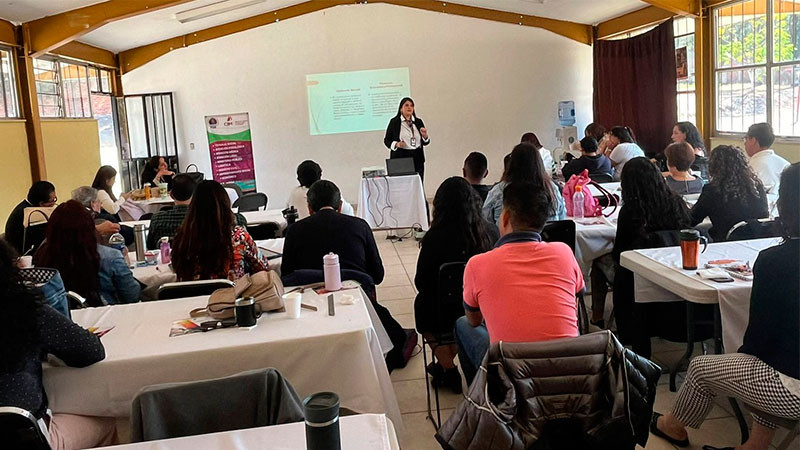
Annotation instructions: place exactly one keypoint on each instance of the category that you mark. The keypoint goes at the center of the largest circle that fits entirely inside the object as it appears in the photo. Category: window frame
(768, 65)
(58, 61)
(693, 35)
(12, 69)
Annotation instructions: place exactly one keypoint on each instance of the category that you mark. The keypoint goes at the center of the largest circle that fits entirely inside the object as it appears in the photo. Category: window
(684, 46)
(62, 88)
(8, 86)
(757, 66)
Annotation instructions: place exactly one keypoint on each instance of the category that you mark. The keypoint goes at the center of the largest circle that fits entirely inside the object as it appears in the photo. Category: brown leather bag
(265, 286)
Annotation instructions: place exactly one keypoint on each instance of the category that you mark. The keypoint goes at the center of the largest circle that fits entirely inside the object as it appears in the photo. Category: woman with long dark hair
(649, 206)
(104, 182)
(406, 135)
(32, 330)
(525, 166)
(96, 272)
(688, 133)
(209, 244)
(156, 170)
(734, 193)
(458, 232)
(622, 144)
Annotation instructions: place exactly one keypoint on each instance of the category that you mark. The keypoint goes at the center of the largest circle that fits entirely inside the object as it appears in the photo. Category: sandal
(655, 431)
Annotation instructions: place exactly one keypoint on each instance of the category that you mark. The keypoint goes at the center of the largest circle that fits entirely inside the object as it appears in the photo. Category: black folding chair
(183, 289)
(601, 177)
(564, 231)
(235, 187)
(449, 300)
(20, 429)
(263, 231)
(251, 202)
(754, 229)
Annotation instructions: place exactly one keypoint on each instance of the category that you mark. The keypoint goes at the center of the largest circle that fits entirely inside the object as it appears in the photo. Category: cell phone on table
(722, 280)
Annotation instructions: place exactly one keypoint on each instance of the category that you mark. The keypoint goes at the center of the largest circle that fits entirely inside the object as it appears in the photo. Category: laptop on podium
(400, 166)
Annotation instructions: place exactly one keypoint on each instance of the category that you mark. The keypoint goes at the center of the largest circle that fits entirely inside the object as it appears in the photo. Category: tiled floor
(397, 293)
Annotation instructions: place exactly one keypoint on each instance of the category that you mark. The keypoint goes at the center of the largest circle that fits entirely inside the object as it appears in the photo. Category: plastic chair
(753, 229)
(20, 429)
(234, 191)
(251, 202)
(184, 289)
(449, 298)
(601, 177)
(560, 231)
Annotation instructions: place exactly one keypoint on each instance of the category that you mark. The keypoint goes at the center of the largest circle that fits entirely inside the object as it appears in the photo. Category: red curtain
(634, 85)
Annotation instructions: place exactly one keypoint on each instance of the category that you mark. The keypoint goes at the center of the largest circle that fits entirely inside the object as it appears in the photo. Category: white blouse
(110, 206)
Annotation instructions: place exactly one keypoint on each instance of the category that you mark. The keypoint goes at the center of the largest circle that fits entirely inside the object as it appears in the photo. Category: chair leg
(737, 412)
(689, 347)
(436, 422)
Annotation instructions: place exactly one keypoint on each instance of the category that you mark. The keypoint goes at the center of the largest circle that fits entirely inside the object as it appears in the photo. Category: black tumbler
(245, 309)
(322, 421)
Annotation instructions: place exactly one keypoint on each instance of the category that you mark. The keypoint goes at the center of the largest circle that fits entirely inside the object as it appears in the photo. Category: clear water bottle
(166, 250)
(117, 241)
(577, 204)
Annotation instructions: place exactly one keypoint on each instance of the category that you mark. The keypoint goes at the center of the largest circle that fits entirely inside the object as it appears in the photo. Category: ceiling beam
(88, 53)
(632, 21)
(678, 7)
(51, 32)
(8, 32)
(137, 57)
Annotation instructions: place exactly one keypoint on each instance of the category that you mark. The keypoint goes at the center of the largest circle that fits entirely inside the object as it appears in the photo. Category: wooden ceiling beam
(88, 53)
(632, 21)
(691, 8)
(8, 33)
(137, 57)
(51, 32)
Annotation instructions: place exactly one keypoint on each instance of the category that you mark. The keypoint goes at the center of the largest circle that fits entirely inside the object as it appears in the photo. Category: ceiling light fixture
(214, 9)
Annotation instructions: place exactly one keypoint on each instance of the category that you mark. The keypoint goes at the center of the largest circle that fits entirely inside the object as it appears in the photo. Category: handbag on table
(265, 287)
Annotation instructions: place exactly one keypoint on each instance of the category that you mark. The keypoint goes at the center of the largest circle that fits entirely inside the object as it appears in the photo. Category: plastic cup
(292, 304)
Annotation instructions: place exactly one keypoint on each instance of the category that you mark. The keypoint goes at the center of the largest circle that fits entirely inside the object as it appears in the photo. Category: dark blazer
(393, 132)
(308, 240)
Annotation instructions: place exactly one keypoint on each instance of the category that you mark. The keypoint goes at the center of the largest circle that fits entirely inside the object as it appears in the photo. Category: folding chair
(20, 429)
(251, 202)
(183, 289)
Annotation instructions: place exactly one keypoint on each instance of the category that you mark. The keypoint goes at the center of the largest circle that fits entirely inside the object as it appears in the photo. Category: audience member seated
(209, 245)
(650, 206)
(166, 223)
(688, 133)
(329, 231)
(765, 163)
(525, 166)
(475, 170)
(96, 272)
(734, 193)
(524, 288)
(622, 145)
(156, 171)
(88, 197)
(679, 160)
(308, 172)
(596, 131)
(547, 157)
(41, 194)
(458, 232)
(589, 160)
(36, 329)
(104, 182)
(765, 373)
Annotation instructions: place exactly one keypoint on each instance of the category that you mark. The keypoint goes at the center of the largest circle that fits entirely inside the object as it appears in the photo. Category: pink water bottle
(166, 251)
(333, 277)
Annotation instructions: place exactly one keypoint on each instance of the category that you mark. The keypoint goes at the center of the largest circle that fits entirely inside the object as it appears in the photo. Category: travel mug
(245, 310)
(690, 248)
(322, 421)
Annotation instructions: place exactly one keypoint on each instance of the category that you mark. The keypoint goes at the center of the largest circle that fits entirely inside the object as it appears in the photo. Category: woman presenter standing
(406, 135)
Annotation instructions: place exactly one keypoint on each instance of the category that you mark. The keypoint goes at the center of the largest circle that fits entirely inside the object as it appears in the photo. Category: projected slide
(347, 102)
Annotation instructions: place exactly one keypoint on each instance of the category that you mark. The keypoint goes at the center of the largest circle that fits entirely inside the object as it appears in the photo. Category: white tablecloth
(361, 432)
(393, 202)
(593, 240)
(315, 353)
(134, 209)
(658, 276)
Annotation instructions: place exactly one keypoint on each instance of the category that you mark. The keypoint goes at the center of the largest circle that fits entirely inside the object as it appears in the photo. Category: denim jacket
(117, 284)
(493, 205)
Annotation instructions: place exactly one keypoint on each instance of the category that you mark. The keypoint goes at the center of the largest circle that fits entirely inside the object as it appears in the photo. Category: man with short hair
(325, 231)
(309, 172)
(765, 163)
(524, 288)
(476, 168)
(41, 194)
(166, 223)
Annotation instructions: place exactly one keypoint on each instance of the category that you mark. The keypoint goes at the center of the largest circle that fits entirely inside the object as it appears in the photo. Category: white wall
(478, 85)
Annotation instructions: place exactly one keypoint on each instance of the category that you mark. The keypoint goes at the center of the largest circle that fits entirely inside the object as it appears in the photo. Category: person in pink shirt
(524, 289)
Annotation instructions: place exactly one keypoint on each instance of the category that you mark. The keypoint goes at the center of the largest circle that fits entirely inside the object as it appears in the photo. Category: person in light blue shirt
(525, 166)
(117, 284)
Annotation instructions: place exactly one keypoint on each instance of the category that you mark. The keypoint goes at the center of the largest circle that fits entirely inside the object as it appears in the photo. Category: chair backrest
(601, 177)
(560, 231)
(183, 289)
(235, 187)
(251, 202)
(450, 295)
(754, 229)
(250, 399)
(20, 429)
